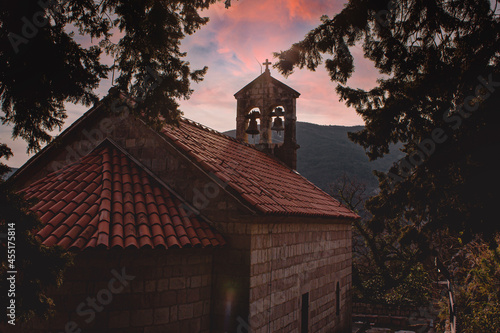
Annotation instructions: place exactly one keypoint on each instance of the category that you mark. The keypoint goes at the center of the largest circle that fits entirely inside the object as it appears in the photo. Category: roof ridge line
(57, 139)
(209, 129)
(246, 144)
(156, 178)
(317, 187)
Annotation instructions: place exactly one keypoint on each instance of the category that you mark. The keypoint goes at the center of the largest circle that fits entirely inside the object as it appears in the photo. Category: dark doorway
(337, 299)
(304, 326)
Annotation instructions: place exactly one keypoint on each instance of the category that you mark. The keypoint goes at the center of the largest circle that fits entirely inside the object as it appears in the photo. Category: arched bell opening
(276, 103)
(278, 123)
(253, 124)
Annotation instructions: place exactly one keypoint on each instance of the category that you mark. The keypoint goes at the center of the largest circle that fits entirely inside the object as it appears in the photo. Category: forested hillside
(326, 153)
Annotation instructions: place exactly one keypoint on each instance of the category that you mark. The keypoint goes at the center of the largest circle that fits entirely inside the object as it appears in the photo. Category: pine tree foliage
(53, 52)
(37, 267)
(438, 94)
(475, 289)
(383, 272)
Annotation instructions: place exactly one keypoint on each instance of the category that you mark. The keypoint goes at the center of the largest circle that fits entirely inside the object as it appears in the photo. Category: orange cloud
(255, 29)
(280, 10)
(237, 40)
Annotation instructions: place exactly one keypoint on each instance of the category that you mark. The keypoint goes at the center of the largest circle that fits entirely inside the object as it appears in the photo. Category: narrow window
(337, 299)
(304, 328)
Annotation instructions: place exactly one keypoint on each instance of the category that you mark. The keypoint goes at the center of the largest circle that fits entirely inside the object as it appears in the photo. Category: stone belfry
(269, 101)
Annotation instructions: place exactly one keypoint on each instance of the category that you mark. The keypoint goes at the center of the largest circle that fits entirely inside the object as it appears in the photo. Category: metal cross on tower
(267, 63)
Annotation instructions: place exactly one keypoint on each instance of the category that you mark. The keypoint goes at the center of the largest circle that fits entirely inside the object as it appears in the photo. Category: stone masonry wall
(322, 259)
(231, 269)
(161, 291)
(231, 277)
(288, 260)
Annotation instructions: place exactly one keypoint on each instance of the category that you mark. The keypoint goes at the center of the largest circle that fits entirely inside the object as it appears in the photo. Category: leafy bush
(476, 290)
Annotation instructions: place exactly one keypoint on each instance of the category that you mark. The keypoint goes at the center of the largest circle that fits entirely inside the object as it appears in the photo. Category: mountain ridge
(326, 153)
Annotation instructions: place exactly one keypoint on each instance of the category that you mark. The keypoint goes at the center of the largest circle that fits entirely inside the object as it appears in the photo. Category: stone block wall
(231, 269)
(289, 260)
(132, 292)
(231, 277)
(258, 277)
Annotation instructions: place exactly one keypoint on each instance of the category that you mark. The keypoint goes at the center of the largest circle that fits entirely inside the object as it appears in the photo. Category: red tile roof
(262, 181)
(107, 200)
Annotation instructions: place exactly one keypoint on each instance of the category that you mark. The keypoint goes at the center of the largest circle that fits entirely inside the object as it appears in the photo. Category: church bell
(252, 127)
(277, 125)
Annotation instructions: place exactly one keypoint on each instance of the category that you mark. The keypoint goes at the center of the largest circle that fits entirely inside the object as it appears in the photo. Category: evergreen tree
(476, 293)
(45, 63)
(438, 94)
(36, 267)
(383, 272)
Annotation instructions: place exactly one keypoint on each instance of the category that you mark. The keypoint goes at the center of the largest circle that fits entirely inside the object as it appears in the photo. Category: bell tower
(273, 104)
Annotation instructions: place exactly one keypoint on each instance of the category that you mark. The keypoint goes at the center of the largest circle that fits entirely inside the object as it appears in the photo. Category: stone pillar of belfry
(265, 94)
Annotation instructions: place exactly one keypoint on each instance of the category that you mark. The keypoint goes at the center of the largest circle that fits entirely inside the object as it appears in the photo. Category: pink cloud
(234, 44)
(255, 29)
(242, 37)
(279, 10)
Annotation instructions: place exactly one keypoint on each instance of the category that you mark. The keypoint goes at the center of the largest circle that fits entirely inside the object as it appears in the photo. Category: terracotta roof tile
(107, 200)
(259, 179)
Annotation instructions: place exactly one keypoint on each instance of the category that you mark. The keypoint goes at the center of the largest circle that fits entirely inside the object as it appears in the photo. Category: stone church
(185, 229)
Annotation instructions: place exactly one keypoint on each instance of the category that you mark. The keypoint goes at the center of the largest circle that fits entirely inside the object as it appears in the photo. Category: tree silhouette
(37, 266)
(438, 95)
(383, 271)
(53, 52)
(44, 61)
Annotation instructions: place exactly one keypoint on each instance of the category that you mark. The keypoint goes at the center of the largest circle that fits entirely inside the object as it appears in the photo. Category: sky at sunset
(233, 45)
